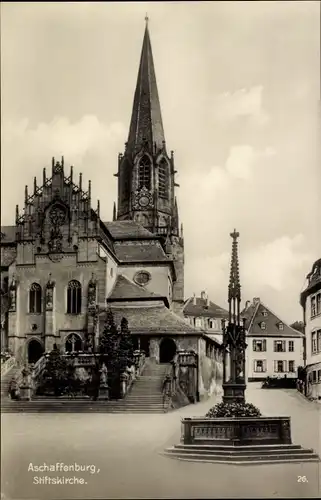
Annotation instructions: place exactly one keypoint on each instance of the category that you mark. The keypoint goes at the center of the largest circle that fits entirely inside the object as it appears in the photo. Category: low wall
(236, 431)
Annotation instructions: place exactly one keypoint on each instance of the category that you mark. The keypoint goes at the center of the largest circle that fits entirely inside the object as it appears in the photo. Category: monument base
(103, 393)
(239, 441)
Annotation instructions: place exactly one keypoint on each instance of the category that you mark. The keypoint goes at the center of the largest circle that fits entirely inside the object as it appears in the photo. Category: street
(126, 448)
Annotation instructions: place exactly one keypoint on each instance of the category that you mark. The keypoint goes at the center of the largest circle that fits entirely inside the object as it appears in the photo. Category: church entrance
(35, 351)
(167, 350)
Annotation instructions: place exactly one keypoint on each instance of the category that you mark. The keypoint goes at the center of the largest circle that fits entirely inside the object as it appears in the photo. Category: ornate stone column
(50, 319)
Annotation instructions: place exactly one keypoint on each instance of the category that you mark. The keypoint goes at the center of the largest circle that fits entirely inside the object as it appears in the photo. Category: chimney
(203, 295)
(256, 300)
(194, 299)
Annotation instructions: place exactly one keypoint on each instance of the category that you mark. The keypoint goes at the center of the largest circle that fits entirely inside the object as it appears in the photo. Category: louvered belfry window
(144, 173)
(163, 179)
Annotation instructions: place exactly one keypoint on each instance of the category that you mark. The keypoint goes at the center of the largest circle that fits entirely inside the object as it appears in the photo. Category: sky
(239, 90)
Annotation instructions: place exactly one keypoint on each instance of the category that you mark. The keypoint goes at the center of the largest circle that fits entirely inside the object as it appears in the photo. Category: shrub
(234, 410)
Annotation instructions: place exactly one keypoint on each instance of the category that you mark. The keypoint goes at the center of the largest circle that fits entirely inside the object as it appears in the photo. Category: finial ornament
(146, 19)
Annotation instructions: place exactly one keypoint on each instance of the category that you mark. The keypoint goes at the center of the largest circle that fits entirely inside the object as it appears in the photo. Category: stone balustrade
(7, 365)
(236, 431)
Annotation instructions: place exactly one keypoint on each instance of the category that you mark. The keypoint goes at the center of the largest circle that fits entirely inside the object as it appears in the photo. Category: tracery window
(73, 343)
(74, 297)
(163, 179)
(144, 173)
(35, 295)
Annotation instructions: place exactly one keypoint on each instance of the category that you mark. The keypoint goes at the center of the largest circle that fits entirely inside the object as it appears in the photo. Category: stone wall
(210, 371)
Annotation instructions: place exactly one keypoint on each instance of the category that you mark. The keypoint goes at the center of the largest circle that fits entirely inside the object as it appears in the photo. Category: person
(166, 389)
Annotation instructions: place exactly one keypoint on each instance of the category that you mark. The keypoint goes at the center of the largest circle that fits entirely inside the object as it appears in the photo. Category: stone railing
(236, 431)
(128, 378)
(7, 365)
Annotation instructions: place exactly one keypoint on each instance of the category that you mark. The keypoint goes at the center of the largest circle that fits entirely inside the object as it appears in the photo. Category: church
(62, 265)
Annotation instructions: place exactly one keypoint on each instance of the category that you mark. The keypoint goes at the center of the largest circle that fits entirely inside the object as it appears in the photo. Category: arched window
(73, 343)
(74, 297)
(144, 173)
(35, 298)
(163, 179)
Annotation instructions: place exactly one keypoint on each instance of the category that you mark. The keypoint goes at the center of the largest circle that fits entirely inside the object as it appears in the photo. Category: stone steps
(241, 455)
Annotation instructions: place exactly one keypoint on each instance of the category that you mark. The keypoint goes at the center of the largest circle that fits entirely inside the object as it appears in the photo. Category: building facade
(61, 263)
(310, 300)
(274, 349)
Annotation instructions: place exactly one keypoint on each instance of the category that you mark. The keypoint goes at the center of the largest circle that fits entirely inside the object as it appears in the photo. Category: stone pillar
(50, 323)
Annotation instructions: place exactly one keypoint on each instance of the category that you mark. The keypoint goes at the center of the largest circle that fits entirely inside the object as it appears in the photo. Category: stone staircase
(242, 455)
(145, 396)
(5, 380)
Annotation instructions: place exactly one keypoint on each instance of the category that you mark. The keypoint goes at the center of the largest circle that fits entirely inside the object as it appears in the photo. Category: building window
(142, 278)
(73, 343)
(163, 179)
(144, 173)
(313, 306)
(260, 365)
(211, 323)
(291, 366)
(111, 272)
(314, 346)
(314, 376)
(35, 298)
(198, 323)
(291, 345)
(263, 325)
(259, 345)
(281, 327)
(319, 340)
(319, 376)
(265, 313)
(279, 366)
(319, 303)
(279, 346)
(74, 297)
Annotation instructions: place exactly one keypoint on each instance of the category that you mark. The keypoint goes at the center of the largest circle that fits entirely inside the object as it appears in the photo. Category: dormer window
(264, 313)
(263, 325)
(281, 326)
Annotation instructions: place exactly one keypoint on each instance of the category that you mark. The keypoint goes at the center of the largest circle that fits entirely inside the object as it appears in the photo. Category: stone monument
(234, 431)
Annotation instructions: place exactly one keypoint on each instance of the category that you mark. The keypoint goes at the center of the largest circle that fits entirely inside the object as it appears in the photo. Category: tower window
(35, 298)
(74, 297)
(163, 179)
(144, 173)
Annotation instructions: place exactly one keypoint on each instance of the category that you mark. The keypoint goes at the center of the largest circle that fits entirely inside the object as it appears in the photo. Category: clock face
(143, 201)
(57, 216)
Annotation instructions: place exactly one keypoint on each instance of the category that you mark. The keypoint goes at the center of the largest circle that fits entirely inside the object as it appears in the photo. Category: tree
(58, 373)
(298, 325)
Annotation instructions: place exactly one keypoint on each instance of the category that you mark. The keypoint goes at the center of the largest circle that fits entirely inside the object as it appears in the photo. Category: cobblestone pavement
(126, 450)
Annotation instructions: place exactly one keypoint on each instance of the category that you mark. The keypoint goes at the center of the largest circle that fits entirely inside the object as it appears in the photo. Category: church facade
(60, 263)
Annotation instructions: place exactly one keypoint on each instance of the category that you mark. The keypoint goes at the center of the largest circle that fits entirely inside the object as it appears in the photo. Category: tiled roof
(127, 230)
(124, 289)
(255, 317)
(140, 251)
(201, 309)
(8, 234)
(151, 319)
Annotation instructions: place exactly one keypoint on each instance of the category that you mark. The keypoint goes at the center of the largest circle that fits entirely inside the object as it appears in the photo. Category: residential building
(310, 300)
(274, 349)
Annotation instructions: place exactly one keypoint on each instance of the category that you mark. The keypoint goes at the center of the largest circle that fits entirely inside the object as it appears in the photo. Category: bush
(233, 410)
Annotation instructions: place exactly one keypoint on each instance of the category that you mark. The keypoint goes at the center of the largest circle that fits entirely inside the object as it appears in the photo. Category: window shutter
(254, 345)
(264, 365)
(275, 366)
(264, 345)
(254, 365)
(285, 367)
(283, 345)
(275, 347)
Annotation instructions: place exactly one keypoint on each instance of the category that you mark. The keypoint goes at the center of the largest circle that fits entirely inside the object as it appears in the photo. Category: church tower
(146, 172)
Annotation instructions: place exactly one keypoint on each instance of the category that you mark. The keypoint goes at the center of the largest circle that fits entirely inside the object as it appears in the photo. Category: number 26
(302, 479)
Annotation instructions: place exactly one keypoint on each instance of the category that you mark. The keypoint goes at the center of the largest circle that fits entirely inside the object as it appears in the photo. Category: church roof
(125, 289)
(200, 308)
(140, 252)
(153, 319)
(146, 121)
(128, 230)
(258, 313)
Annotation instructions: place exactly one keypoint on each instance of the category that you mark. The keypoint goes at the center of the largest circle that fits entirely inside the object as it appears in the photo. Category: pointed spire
(146, 124)
(114, 211)
(234, 289)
